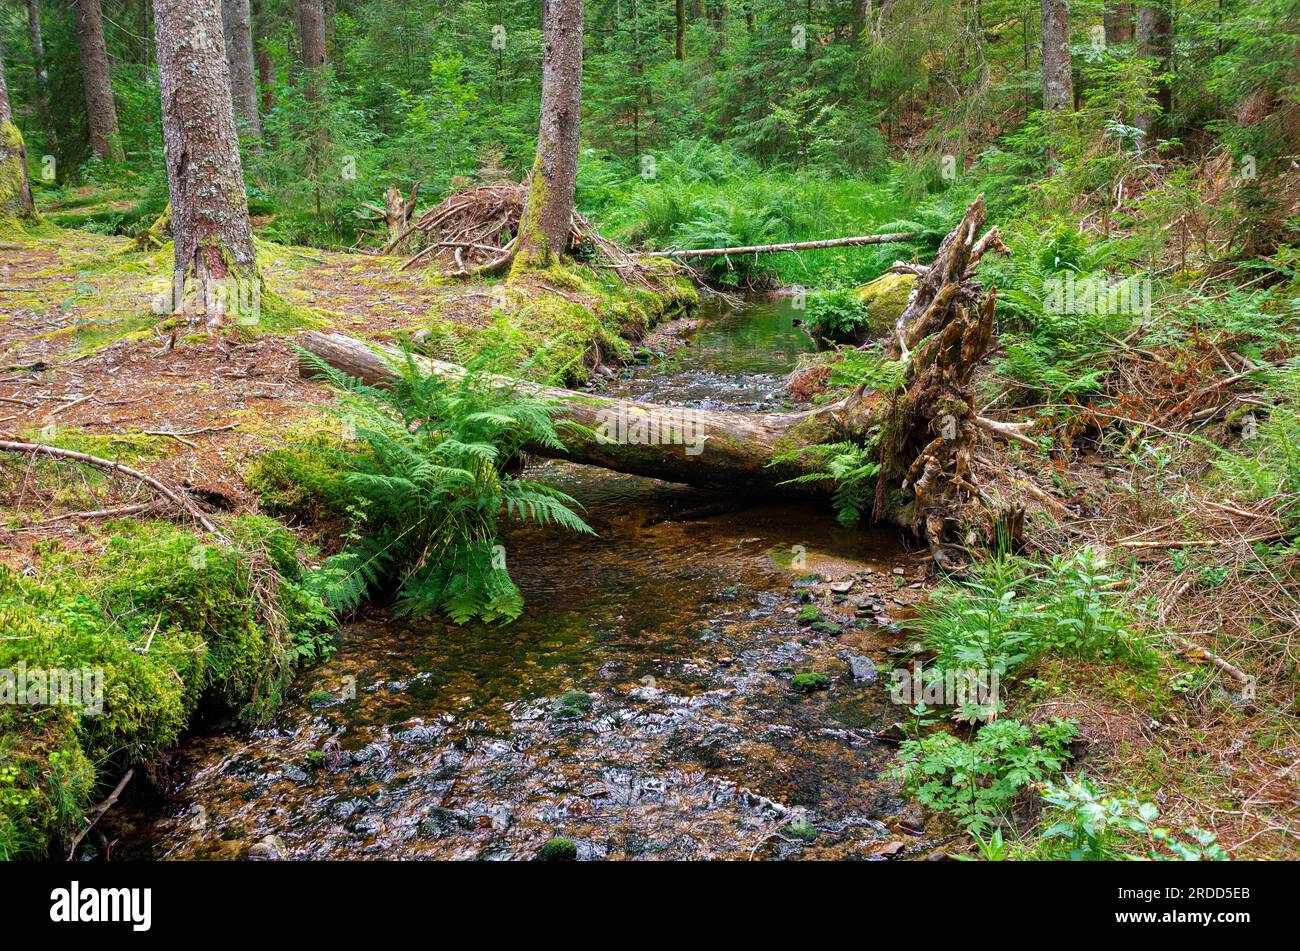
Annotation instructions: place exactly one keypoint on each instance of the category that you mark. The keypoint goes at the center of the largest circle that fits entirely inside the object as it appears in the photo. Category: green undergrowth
(175, 624)
(559, 322)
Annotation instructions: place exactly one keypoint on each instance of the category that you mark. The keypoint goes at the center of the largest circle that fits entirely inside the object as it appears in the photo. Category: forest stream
(641, 707)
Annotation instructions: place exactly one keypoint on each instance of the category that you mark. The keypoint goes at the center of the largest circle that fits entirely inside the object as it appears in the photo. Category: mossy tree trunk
(213, 236)
(101, 112)
(548, 210)
(1154, 26)
(15, 188)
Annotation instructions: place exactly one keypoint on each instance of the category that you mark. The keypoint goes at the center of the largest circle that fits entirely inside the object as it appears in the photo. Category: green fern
(432, 485)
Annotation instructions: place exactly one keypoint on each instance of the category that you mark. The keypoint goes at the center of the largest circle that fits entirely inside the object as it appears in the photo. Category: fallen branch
(99, 810)
(172, 495)
(790, 246)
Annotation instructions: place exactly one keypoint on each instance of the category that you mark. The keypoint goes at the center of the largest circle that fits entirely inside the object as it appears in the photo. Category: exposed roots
(473, 233)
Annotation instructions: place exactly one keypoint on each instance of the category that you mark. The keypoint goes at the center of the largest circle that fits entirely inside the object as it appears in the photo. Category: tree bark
(1154, 43)
(548, 209)
(266, 75)
(237, 25)
(214, 263)
(101, 112)
(15, 188)
(1058, 82)
(681, 30)
(1117, 20)
(37, 40)
(311, 30)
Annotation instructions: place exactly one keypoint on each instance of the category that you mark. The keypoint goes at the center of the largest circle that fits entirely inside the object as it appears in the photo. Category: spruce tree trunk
(1058, 82)
(266, 75)
(681, 30)
(237, 24)
(1118, 21)
(548, 211)
(215, 269)
(1154, 43)
(37, 39)
(15, 189)
(311, 31)
(101, 113)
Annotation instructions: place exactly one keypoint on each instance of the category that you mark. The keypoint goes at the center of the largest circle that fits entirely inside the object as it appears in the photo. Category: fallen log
(925, 435)
(710, 449)
(789, 246)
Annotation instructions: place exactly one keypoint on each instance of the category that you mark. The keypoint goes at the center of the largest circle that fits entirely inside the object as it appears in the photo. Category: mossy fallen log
(924, 434)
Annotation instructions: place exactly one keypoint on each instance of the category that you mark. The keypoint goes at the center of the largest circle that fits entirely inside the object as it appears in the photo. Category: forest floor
(86, 364)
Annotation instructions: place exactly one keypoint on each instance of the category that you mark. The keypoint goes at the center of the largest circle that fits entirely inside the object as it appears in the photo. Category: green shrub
(977, 782)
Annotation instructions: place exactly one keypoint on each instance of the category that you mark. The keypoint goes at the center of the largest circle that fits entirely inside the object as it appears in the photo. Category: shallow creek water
(432, 741)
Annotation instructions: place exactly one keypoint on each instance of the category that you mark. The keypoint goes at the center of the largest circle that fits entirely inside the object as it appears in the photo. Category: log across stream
(642, 706)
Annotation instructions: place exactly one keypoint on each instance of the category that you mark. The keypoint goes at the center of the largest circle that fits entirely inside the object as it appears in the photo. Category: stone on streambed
(862, 668)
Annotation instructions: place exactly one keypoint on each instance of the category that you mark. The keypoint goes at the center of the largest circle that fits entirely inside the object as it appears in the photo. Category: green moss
(808, 682)
(802, 830)
(885, 298)
(571, 705)
(809, 613)
(558, 850)
(303, 484)
(171, 624)
(14, 191)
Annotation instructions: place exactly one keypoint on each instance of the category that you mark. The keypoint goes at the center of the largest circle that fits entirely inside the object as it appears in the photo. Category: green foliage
(836, 315)
(432, 485)
(1090, 825)
(977, 782)
(803, 831)
(852, 467)
(1011, 611)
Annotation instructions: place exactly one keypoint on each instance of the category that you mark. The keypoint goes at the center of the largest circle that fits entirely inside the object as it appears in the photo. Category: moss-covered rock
(885, 298)
(558, 850)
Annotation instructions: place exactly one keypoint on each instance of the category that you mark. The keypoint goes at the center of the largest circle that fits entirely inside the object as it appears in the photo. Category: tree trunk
(101, 113)
(215, 265)
(1154, 43)
(1118, 22)
(858, 20)
(548, 210)
(1058, 83)
(37, 39)
(311, 29)
(681, 30)
(15, 188)
(265, 65)
(237, 25)
(925, 435)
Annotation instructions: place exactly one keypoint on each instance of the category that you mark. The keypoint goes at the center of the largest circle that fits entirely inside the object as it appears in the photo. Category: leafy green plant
(853, 469)
(977, 782)
(432, 485)
(836, 315)
(1092, 825)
